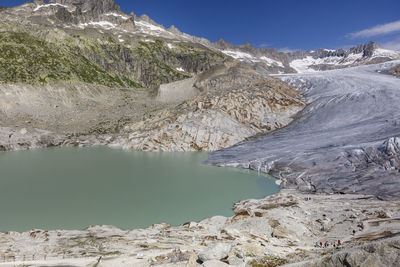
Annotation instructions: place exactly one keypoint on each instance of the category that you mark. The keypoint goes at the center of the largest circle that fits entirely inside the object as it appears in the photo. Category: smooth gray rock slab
(217, 252)
(214, 263)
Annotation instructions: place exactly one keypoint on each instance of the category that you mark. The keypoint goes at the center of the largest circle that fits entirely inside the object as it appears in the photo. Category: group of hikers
(327, 244)
(360, 227)
(338, 244)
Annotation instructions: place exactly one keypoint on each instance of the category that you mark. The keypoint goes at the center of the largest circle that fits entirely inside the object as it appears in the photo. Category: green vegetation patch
(28, 59)
(268, 261)
(25, 58)
(156, 63)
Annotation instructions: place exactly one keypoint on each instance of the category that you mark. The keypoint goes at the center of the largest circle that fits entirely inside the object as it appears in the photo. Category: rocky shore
(281, 229)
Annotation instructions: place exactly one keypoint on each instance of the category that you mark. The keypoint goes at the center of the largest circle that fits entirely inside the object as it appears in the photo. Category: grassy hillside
(32, 59)
(28, 59)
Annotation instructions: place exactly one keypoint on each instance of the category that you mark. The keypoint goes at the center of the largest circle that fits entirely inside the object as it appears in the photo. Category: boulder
(217, 252)
(214, 263)
(282, 232)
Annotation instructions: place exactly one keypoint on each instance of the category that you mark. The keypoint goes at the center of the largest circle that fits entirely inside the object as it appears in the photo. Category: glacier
(346, 140)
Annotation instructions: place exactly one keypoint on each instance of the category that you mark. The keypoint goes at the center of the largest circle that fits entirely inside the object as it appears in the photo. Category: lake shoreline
(127, 189)
(286, 224)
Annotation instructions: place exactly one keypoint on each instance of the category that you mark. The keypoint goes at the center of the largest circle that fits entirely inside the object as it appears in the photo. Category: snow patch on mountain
(271, 61)
(117, 15)
(242, 56)
(380, 52)
(149, 28)
(352, 58)
(303, 65)
(103, 24)
(48, 5)
(239, 55)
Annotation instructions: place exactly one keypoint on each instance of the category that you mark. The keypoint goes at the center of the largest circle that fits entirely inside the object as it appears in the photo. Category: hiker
(339, 243)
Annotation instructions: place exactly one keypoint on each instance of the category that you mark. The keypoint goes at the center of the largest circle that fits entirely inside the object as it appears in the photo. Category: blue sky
(283, 24)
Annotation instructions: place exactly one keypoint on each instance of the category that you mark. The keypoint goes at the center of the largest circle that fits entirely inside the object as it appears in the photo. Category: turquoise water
(72, 188)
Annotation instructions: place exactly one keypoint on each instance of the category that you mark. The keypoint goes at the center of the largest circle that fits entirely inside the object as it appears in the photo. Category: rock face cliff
(95, 7)
(235, 103)
(56, 55)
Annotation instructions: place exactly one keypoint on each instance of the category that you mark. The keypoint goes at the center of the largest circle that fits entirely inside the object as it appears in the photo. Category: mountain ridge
(308, 61)
(107, 15)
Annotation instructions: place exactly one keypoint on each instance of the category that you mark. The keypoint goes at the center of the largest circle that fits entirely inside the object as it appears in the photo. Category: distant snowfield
(380, 52)
(150, 29)
(304, 65)
(48, 5)
(247, 57)
(117, 15)
(103, 24)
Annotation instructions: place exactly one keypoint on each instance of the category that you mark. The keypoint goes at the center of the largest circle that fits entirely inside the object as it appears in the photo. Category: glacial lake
(73, 188)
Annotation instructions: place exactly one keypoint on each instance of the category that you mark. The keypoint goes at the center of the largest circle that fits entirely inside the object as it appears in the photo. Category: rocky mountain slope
(102, 44)
(233, 104)
(44, 48)
(76, 72)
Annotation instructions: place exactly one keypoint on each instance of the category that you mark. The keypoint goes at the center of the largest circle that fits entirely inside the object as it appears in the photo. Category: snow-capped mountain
(308, 61)
(324, 59)
(105, 16)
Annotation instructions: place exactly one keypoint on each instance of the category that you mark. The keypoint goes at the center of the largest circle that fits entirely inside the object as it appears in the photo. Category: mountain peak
(223, 44)
(247, 45)
(367, 49)
(147, 19)
(94, 6)
(174, 30)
